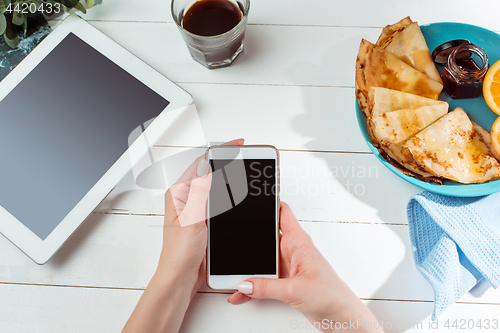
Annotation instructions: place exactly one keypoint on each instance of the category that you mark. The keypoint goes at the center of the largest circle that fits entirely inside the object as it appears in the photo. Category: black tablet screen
(62, 127)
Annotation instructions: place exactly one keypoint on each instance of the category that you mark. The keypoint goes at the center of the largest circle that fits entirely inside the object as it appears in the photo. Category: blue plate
(435, 34)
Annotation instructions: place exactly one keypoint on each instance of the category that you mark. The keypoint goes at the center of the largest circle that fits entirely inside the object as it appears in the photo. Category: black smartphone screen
(243, 235)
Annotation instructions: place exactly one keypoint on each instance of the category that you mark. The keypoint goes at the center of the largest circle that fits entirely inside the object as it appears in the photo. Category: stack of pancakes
(397, 88)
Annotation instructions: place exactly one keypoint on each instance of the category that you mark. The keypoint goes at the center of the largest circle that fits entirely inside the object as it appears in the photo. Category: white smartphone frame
(230, 282)
(40, 250)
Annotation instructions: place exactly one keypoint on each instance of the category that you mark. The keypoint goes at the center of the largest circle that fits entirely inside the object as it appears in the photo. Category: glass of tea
(212, 29)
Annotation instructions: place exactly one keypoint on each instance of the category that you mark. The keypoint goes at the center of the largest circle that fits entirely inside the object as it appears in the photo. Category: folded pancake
(392, 129)
(409, 45)
(485, 135)
(390, 31)
(376, 67)
(362, 88)
(451, 148)
(382, 100)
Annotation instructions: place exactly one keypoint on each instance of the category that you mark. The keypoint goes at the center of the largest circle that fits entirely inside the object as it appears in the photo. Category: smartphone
(242, 215)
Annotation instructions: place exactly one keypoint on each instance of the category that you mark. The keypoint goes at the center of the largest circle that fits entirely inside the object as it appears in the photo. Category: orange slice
(495, 136)
(491, 87)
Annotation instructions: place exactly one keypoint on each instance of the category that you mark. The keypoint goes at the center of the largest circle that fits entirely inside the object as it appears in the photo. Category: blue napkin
(455, 243)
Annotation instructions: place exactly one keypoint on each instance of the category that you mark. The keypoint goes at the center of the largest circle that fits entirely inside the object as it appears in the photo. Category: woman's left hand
(185, 230)
(181, 269)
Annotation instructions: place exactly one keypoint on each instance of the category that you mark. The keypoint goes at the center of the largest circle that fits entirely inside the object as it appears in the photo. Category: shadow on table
(75, 242)
(322, 125)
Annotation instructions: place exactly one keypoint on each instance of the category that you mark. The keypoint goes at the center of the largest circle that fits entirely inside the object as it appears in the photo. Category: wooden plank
(298, 118)
(210, 312)
(106, 251)
(343, 187)
(55, 309)
(376, 262)
(366, 13)
(319, 186)
(361, 13)
(120, 251)
(119, 10)
(273, 54)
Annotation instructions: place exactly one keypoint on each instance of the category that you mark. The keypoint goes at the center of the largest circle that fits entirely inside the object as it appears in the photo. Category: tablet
(75, 115)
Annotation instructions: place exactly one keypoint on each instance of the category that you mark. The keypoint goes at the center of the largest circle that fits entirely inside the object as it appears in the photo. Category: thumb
(194, 211)
(266, 288)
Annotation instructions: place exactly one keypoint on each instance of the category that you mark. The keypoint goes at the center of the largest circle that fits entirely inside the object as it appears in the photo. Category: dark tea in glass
(212, 29)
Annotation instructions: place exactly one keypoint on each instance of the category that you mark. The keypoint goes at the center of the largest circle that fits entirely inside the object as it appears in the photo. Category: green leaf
(3, 23)
(90, 3)
(10, 34)
(13, 43)
(18, 18)
(80, 7)
(25, 25)
(3, 5)
(9, 30)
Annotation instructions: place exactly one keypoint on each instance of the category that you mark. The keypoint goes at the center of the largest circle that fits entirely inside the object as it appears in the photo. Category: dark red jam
(464, 71)
(457, 89)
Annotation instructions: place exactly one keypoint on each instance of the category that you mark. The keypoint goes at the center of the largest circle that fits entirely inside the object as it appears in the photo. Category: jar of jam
(464, 71)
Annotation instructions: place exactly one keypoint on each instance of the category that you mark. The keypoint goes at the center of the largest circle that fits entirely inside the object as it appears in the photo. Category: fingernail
(245, 287)
(203, 168)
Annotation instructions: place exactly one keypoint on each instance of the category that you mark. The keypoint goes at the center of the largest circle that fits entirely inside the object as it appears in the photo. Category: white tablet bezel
(230, 282)
(42, 250)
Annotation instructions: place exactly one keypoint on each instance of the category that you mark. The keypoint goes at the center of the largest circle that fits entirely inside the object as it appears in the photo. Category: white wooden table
(293, 87)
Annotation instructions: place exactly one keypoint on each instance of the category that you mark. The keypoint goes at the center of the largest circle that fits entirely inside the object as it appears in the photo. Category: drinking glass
(213, 51)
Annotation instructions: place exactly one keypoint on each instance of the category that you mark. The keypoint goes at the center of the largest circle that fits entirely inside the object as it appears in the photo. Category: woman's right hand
(309, 284)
